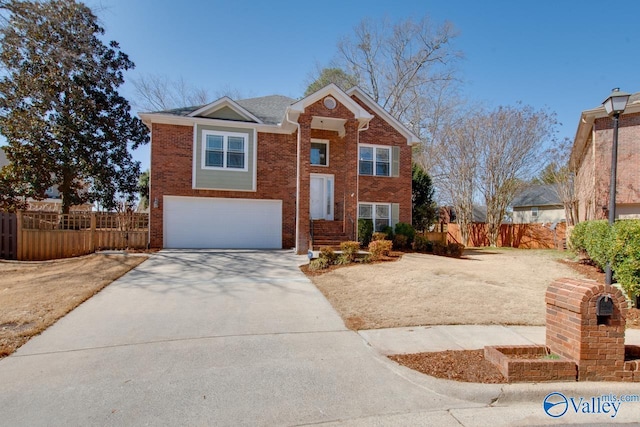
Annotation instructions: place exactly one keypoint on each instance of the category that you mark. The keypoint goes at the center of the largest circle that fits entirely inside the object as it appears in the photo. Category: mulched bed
(458, 365)
(393, 256)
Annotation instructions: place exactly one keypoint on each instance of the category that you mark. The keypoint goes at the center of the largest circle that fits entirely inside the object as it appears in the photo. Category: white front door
(321, 196)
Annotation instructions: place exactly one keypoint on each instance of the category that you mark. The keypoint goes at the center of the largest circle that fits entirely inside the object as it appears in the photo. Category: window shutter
(395, 214)
(395, 161)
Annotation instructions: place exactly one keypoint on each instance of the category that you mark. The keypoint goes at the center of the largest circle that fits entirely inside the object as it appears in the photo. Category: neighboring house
(273, 172)
(538, 204)
(448, 214)
(591, 159)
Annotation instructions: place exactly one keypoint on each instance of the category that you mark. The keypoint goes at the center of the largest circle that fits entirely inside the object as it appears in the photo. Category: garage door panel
(208, 223)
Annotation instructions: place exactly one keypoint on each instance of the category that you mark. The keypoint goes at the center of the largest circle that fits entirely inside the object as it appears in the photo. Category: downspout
(297, 125)
(360, 129)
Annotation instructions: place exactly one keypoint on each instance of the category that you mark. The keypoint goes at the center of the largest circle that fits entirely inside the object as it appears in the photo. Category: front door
(321, 196)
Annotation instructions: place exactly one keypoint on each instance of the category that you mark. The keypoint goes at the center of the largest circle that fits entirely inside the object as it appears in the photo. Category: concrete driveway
(215, 338)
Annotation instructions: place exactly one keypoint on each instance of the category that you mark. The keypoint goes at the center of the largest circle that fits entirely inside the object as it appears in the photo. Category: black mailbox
(604, 306)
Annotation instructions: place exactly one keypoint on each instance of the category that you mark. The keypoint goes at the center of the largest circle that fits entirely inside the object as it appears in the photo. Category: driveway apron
(209, 338)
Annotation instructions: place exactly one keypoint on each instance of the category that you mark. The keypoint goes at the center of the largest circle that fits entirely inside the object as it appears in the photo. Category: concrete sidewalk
(420, 339)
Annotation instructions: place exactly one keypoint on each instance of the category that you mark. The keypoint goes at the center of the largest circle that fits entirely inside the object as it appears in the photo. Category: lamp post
(614, 105)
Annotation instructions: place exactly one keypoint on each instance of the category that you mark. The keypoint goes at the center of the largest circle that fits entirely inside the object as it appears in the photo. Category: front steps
(328, 233)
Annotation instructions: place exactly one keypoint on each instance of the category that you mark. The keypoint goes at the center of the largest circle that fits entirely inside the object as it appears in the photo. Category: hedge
(619, 245)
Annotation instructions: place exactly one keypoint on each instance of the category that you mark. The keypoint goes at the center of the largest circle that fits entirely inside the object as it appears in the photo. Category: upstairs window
(224, 150)
(374, 160)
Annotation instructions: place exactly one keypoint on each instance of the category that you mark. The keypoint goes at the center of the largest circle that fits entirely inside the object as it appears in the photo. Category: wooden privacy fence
(44, 235)
(525, 236)
(435, 236)
(8, 235)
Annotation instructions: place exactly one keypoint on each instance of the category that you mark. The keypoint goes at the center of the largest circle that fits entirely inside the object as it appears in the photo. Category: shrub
(422, 244)
(388, 230)
(379, 236)
(406, 230)
(343, 260)
(597, 241)
(625, 255)
(350, 250)
(328, 254)
(379, 248)
(439, 249)
(318, 264)
(577, 238)
(455, 249)
(365, 230)
(401, 241)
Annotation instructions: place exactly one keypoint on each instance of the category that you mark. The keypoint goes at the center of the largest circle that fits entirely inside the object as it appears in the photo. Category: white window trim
(535, 212)
(373, 212)
(386, 147)
(320, 141)
(225, 147)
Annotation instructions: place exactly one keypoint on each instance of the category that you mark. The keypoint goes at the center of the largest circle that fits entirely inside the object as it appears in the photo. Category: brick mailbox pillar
(586, 324)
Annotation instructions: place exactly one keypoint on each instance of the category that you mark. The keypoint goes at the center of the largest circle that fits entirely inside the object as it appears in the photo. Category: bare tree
(510, 153)
(409, 69)
(458, 168)
(155, 93)
(559, 173)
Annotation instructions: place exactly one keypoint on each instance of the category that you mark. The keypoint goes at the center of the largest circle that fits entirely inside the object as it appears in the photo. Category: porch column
(302, 243)
(351, 179)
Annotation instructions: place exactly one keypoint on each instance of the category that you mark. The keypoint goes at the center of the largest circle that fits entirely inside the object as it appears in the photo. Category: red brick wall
(628, 171)
(574, 333)
(387, 189)
(171, 174)
(523, 363)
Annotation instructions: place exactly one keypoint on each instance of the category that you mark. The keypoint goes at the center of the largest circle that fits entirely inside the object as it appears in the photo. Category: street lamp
(614, 105)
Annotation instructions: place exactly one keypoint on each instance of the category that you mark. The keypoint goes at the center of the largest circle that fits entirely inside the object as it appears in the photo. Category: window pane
(382, 155)
(366, 167)
(214, 159)
(214, 142)
(236, 144)
(235, 160)
(366, 153)
(382, 212)
(365, 211)
(382, 169)
(382, 161)
(381, 224)
(318, 154)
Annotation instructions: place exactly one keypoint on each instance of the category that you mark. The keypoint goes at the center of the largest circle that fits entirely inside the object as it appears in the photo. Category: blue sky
(563, 55)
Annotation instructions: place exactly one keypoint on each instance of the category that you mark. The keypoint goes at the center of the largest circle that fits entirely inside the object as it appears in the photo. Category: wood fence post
(19, 235)
(92, 239)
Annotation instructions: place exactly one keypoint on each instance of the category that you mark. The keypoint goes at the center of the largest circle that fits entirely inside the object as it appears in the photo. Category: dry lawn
(34, 295)
(487, 286)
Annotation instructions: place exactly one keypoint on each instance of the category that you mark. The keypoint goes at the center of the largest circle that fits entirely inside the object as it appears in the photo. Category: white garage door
(208, 223)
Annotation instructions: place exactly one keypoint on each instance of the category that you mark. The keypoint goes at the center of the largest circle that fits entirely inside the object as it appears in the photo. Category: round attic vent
(330, 102)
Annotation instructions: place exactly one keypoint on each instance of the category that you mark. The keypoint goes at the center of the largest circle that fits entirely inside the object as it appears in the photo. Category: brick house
(591, 159)
(228, 174)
